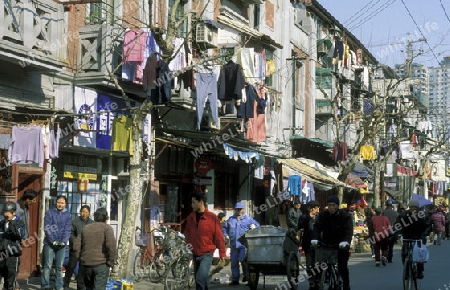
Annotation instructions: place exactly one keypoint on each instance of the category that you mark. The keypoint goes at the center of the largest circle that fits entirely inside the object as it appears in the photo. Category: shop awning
(317, 176)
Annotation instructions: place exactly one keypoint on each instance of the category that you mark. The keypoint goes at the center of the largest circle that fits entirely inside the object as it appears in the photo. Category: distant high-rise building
(439, 94)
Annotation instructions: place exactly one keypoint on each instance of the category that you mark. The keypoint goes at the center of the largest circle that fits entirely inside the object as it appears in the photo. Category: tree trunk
(133, 201)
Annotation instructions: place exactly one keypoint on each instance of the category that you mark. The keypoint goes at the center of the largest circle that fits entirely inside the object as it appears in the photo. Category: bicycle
(330, 278)
(143, 257)
(409, 266)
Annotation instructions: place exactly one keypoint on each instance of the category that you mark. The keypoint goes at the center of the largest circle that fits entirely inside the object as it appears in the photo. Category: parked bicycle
(409, 266)
(330, 278)
(143, 257)
(172, 264)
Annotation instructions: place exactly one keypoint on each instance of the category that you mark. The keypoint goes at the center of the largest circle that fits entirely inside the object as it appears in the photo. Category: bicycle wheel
(409, 277)
(158, 267)
(292, 269)
(141, 265)
(325, 279)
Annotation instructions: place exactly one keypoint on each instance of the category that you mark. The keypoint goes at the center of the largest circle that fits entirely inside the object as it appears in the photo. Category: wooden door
(30, 254)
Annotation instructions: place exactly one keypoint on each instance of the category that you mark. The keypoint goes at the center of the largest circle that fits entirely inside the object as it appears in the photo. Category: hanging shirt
(367, 152)
(231, 82)
(53, 145)
(294, 184)
(122, 134)
(27, 146)
(134, 44)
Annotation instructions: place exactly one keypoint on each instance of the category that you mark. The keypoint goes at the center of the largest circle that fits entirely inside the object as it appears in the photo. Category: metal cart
(271, 251)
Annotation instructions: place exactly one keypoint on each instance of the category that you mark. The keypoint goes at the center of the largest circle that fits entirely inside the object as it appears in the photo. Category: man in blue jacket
(234, 227)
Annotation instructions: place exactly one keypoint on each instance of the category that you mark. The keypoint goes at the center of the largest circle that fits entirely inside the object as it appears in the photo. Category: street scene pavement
(363, 274)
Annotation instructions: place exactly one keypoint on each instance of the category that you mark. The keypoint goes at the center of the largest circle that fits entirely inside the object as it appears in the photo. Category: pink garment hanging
(134, 44)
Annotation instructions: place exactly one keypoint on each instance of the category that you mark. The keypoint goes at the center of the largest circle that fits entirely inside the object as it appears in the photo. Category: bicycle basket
(142, 240)
(330, 255)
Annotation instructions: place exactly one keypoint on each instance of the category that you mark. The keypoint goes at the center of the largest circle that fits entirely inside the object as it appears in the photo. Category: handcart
(272, 251)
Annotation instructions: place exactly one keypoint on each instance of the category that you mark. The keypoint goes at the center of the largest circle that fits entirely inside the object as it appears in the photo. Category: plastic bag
(420, 253)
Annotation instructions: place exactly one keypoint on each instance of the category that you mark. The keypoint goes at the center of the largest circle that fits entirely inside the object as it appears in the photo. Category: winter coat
(234, 228)
(332, 229)
(292, 217)
(306, 222)
(11, 237)
(414, 226)
(204, 236)
(77, 226)
(381, 226)
(438, 220)
(57, 226)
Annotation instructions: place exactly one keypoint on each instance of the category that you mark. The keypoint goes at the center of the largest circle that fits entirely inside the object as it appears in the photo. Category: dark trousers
(391, 249)
(70, 268)
(95, 277)
(381, 245)
(343, 256)
(8, 270)
(313, 273)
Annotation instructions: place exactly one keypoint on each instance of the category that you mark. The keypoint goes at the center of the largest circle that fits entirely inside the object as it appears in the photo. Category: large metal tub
(265, 245)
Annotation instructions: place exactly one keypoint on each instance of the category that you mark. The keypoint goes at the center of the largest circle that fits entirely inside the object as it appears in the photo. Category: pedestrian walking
(204, 234)
(78, 224)
(12, 230)
(392, 215)
(438, 221)
(57, 226)
(293, 214)
(96, 248)
(380, 238)
(237, 225)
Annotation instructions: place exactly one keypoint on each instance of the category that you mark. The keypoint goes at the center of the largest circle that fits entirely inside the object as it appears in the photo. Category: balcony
(324, 107)
(256, 2)
(30, 33)
(99, 54)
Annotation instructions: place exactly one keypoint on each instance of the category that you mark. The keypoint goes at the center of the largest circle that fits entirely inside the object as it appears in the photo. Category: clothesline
(67, 114)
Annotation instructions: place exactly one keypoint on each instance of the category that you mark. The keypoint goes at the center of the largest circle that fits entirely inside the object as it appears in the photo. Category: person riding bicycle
(415, 225)
(334, 227)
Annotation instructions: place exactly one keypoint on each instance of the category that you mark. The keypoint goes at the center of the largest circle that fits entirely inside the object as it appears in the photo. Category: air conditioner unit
(322, 48)
(205, 35)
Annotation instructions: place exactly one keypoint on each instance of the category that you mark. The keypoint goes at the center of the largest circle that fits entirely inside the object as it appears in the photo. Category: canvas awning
(317, 176)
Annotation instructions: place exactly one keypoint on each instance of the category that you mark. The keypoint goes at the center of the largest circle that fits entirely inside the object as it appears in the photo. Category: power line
(373, 14)
(354, 17)
(445, 11)
(418, 28)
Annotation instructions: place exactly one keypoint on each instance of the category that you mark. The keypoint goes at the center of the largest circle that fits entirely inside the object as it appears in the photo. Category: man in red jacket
(203, 234)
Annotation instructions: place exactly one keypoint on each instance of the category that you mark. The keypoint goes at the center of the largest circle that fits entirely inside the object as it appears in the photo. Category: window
(179, 14)
(225, 189)
(94, 13)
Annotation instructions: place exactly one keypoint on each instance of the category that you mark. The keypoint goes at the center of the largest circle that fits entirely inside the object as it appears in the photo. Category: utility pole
(409, 53)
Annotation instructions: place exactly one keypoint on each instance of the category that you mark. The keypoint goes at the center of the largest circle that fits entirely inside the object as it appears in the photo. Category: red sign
(203, 165)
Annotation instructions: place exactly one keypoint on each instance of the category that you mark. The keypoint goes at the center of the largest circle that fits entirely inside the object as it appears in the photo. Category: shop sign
(202, 180)
(390, 184)
(80, 175)
(203, 165)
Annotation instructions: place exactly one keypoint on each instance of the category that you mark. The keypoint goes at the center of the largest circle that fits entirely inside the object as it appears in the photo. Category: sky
(386, 26)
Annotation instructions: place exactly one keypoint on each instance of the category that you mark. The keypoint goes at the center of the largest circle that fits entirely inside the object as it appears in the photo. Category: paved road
(363, 274)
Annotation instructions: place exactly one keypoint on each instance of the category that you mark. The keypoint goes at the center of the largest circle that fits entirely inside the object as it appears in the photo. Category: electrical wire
(373, 14)
(445, 11)
(356, 15)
